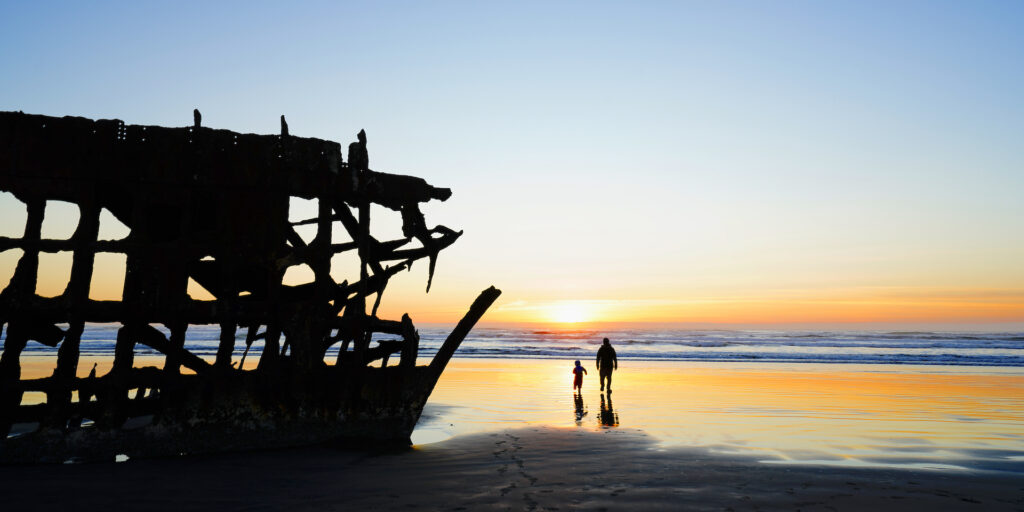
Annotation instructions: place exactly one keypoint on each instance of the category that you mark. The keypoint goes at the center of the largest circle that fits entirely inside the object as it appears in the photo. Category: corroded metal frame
(213, 206)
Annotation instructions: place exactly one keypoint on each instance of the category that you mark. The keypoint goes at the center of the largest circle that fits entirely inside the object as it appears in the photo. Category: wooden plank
(454, 339)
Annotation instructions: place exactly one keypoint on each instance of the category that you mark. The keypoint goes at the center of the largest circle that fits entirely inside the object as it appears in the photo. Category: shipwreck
(212, 206)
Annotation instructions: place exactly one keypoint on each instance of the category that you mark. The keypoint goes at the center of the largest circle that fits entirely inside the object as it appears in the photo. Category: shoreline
(533, 468)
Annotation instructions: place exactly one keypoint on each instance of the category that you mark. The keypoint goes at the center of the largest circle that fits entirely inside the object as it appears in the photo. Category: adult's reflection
(608, 418)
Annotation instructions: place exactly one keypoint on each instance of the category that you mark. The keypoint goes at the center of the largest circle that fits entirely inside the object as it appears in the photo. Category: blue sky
(653, 151)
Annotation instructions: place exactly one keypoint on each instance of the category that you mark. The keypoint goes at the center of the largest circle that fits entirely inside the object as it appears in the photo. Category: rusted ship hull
(211, 207)
(239, 411)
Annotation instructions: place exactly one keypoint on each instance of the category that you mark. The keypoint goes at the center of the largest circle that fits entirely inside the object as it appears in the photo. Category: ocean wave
(895, 359)
(894, 347)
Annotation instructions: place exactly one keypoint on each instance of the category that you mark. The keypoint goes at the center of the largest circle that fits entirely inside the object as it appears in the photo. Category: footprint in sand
(531, 504)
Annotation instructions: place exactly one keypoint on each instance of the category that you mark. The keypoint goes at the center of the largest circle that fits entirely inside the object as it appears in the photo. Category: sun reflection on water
(838, 414)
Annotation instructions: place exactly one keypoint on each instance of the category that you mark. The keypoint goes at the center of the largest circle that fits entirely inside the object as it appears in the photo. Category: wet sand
(840, 414)
(510, 435)
(533, 468)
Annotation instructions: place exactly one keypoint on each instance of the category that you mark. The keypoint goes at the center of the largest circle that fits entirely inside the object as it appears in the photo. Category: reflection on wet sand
(835, 414)
(608, 418)
(581, 408)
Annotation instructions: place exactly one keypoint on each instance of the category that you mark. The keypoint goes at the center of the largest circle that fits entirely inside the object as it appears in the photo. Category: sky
(772, 164)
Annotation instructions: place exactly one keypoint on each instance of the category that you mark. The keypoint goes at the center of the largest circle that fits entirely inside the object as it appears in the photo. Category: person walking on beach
(578, 371)
(606, 362)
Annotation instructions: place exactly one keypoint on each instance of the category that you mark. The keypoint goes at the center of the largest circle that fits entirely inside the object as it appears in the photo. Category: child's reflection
(581, 408)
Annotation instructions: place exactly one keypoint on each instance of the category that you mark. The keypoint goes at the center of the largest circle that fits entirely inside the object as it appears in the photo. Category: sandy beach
(508, 434)
(536, 468)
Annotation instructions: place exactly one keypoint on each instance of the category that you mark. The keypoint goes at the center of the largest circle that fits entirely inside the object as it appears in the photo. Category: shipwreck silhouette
(213, 206)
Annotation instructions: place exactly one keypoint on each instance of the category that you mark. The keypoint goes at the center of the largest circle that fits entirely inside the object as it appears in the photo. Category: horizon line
(951, 326)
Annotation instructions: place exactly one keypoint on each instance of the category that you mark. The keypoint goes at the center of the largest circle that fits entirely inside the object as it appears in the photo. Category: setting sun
(571, 312)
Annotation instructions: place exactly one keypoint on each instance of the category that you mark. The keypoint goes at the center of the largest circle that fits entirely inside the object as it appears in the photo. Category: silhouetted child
(577, 382)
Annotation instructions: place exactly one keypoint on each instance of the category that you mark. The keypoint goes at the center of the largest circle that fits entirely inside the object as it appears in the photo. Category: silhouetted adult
(606, 362)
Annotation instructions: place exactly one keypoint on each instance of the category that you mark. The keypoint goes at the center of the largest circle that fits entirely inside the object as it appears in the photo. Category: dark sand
(538, 468)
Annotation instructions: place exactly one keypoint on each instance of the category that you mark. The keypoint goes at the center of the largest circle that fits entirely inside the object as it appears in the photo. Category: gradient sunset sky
(785, 164)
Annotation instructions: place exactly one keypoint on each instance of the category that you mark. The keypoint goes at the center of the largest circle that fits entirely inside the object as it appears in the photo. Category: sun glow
(570, 313)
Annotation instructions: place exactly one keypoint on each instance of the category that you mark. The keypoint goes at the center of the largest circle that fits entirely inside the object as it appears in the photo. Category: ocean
(987, 349)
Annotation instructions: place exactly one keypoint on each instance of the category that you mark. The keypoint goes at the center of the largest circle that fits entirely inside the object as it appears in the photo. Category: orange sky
(724, 291)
